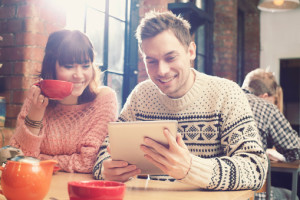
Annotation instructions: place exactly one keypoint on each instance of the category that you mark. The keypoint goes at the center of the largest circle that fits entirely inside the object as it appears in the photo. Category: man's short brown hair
(156, 22)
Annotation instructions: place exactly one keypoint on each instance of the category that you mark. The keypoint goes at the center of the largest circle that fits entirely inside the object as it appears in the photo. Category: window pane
(115, 82)
(95, 31)
(200, 62)
(98, 4)
(116, 45)
(117, 8)
(201, 40)
(75, 16)
(200, 4)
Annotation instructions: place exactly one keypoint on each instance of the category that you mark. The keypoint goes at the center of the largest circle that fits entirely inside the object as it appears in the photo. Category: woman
(70, 130)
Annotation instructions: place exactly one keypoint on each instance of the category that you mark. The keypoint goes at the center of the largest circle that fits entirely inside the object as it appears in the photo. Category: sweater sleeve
(84, 149)
(23, 138)
(244, 165)
(97, 128)
(126, 115)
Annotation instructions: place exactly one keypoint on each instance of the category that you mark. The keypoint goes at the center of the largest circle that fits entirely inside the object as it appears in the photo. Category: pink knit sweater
(72, 134)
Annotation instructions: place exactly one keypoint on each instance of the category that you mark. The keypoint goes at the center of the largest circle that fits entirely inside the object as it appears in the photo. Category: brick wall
(24, 29)
(252, 42)
(225, 39)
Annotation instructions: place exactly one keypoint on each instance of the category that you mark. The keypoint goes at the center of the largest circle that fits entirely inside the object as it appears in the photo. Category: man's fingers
(168, 135)
(118, 170)
(124, 177)
(109, 163)
(179, 140)
(157, 164)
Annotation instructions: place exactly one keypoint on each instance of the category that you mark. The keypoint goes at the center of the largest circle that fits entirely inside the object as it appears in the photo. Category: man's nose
(163, 68)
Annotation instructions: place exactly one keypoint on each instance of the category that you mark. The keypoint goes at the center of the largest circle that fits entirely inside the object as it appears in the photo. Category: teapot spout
(48, 164)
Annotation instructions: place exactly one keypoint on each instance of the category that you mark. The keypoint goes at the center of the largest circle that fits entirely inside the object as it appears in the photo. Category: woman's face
(79, 74)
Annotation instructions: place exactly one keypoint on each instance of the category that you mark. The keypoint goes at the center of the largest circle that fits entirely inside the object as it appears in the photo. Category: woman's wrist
(33, 123)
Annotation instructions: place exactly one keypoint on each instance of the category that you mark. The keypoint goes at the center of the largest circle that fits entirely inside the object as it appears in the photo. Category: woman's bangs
(74, 53)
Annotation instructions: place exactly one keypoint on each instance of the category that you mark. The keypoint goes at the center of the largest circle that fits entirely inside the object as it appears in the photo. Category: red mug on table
(55, 89)
(96, 190)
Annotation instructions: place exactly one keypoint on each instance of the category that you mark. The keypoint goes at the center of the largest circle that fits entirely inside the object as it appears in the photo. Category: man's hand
(174, 161)
(118, 170)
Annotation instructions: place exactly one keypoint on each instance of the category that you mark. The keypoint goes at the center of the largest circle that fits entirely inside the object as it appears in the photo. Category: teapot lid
(25, 159)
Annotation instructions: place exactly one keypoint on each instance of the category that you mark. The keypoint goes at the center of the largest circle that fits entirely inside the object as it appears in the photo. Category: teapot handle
(1, 168)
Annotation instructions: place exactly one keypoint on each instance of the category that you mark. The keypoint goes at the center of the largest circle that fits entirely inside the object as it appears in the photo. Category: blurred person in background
(265, 97)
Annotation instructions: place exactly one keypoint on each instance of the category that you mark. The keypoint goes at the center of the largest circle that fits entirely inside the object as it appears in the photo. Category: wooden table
(291, 167)
(137, 189)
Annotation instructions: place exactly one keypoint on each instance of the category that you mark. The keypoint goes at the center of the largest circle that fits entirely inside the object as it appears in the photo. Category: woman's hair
(154, 23)
(69, 47)
(260, 82)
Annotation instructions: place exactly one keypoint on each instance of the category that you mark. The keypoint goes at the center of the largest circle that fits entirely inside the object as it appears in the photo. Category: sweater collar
(186, 100)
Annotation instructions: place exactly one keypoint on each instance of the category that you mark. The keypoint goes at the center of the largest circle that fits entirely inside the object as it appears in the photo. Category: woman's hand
(37, 110)
(38, 105)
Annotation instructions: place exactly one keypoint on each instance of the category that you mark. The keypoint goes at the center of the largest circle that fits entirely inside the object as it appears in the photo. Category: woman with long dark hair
(70, 130)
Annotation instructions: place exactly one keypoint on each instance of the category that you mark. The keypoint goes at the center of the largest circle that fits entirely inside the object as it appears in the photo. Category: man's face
(168, 63)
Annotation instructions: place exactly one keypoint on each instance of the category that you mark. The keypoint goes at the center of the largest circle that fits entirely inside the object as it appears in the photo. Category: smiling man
(217, 145)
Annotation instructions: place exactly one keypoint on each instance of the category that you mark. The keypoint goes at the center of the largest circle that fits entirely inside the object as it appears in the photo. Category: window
(106, 24)
(200, 16)
(240, 47)
(204, 40)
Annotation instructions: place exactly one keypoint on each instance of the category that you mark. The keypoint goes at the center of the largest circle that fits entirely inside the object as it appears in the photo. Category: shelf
(192, 13)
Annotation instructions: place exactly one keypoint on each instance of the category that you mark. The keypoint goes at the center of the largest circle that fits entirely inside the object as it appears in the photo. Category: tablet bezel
(126, 138)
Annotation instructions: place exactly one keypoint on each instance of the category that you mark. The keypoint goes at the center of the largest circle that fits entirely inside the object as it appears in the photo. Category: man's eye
(171, 58)
(151, 62)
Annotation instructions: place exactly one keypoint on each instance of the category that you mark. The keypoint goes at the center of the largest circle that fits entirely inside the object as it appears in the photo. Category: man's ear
(265, 95)
(192, 50)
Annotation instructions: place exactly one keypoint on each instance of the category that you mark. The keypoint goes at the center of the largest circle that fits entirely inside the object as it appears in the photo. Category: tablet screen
(126, 138)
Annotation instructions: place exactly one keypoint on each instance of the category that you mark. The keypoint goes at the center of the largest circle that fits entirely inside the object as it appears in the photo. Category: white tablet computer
(126, 138)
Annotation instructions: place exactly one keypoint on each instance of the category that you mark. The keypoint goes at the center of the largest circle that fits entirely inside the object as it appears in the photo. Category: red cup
(55, 89)
(96, 190)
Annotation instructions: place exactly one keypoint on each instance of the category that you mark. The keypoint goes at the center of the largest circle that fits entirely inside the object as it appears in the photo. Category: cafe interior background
(233, 37)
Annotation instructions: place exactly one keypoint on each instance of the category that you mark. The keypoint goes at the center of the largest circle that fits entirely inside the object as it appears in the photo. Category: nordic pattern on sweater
(216, 123)
(72, 134)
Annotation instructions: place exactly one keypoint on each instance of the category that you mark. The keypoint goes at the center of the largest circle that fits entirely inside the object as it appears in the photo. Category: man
(218, 145)
(264, 94)
(265, 99)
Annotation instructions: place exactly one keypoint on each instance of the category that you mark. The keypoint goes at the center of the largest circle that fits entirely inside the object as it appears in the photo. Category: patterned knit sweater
(216, 123)
(72, 134)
